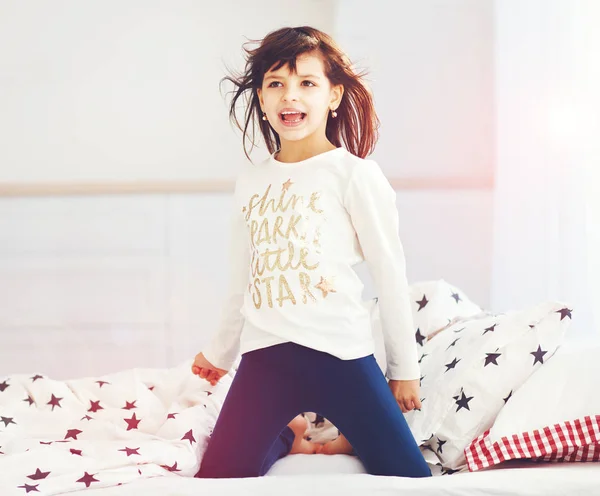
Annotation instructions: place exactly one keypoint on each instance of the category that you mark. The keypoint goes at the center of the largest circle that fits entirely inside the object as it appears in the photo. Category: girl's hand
(406, 394)
(206, 370)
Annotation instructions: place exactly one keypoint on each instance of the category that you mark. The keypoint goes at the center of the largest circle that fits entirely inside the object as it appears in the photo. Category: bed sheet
(340, 474)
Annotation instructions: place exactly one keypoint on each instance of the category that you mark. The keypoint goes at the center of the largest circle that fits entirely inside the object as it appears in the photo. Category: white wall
(95, 284)
(114, 91)
(546, 238)
(127, 90)
(431, 67)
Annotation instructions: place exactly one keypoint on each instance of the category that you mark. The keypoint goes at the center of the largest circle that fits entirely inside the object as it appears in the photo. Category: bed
(171, 450)
(342, 474)
(534, 431)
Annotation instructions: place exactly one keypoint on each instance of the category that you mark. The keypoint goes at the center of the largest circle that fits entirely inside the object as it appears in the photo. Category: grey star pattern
(539, 355)
(463, 401)
(422, 303)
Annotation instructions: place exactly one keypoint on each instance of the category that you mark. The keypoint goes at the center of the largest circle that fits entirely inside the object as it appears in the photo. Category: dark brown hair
(356, 124)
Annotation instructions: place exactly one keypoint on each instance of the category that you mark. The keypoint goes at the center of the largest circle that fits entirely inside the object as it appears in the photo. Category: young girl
(303, 218)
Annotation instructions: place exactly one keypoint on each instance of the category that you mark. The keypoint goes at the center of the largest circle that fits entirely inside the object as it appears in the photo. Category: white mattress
(341, 474)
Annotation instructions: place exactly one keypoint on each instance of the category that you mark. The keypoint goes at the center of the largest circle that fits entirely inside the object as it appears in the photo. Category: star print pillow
(437, 303)
(554, 416)
(319, 429)
(471, 369)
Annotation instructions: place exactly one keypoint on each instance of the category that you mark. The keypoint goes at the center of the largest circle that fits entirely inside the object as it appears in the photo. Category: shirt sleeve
(224, 346)
(371, 202)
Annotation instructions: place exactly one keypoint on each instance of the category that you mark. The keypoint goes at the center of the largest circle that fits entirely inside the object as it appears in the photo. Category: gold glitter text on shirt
(280, 250)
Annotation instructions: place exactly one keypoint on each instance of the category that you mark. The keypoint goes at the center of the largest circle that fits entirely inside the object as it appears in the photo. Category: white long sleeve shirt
(298, 229)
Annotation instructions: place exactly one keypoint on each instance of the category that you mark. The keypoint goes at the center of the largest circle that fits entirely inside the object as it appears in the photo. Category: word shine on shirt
(298, 229)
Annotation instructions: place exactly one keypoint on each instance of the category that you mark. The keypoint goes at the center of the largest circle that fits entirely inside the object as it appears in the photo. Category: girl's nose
(290, 94)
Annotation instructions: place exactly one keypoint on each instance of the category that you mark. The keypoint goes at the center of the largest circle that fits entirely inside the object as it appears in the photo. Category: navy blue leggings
(272, 385)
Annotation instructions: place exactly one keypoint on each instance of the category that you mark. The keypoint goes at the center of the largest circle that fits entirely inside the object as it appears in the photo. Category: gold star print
(325, 286)
(244, 209)
(286, 185)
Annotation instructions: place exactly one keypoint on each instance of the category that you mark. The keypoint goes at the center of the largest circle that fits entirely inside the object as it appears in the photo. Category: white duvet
(60, 436)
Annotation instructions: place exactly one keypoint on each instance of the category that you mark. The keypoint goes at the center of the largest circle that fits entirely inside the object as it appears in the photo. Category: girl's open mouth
(292, 119)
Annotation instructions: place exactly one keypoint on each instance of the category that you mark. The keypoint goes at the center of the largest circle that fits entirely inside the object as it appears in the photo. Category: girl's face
(307, 95)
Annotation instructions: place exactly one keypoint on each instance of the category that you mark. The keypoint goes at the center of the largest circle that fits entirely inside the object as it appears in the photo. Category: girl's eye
(277, 82)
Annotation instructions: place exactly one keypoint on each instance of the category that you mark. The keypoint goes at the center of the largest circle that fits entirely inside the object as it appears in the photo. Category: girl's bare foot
(300, 445)
(339, 446)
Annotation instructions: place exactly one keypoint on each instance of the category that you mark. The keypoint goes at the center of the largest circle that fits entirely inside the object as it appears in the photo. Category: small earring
(264, 117)
(333, 113)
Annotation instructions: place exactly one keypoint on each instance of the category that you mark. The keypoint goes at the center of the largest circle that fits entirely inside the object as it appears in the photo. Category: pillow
(437, 303)
(319, 429)
(470, 370)
(554, 416)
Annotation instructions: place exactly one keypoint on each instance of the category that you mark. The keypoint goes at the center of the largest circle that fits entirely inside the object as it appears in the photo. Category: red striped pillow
(553, 417)
(575, 440)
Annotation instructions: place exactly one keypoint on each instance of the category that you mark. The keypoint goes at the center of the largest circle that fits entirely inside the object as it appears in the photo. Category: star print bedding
(478, 375)
(60, 436)
(470, 370)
